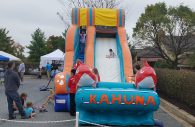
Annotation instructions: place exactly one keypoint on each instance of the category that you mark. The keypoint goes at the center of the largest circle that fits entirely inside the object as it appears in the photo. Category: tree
(38, 46)
(8, 45)
(6, 42)
(131, 47)
(55, 42)
(167, 29)
(18, 50)
(95, 3)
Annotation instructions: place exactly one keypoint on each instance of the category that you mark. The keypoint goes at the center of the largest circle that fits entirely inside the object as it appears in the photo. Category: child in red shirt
(72, 86)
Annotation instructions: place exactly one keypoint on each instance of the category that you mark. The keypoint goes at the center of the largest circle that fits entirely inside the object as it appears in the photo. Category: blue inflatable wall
(116, 104)
(62, 103)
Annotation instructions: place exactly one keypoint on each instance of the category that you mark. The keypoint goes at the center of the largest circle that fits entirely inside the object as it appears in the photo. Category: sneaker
(12, 117)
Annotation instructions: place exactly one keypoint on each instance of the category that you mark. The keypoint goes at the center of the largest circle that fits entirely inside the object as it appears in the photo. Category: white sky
(22, 17)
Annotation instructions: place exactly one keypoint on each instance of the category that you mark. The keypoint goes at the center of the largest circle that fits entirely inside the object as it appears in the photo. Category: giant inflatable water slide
(115, 100)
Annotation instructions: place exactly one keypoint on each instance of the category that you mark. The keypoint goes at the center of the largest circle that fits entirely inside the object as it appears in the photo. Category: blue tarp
(3, 58)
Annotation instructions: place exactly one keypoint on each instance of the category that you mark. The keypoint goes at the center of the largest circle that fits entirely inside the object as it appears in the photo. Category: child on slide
(111, 54)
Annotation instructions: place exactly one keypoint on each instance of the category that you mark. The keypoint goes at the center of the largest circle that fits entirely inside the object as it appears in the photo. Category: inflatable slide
(116, 100)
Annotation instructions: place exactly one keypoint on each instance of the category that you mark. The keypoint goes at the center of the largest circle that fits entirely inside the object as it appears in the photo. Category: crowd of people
(51, 69)
(18, 102)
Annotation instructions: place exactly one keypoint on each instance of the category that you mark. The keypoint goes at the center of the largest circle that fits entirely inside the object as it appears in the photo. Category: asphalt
(31, 87)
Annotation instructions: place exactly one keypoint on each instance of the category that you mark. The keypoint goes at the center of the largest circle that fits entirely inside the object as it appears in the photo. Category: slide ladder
(81, 54)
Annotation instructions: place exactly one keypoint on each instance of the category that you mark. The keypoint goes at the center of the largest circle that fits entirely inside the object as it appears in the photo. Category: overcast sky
(22, 17)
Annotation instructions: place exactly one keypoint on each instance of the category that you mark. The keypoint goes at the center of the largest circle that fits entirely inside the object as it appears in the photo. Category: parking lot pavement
(31, 87)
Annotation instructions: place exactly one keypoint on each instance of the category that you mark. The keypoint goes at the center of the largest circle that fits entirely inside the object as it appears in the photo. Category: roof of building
(147, 53)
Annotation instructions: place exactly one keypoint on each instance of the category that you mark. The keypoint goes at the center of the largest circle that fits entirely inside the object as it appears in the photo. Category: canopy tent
(55, 55)
(3, 58)
(11, 57)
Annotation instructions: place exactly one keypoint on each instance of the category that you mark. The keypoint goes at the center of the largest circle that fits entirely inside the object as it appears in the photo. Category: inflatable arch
(116, 100)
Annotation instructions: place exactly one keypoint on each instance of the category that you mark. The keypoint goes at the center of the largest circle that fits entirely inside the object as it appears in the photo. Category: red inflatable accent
(84, 76)
(146, 77)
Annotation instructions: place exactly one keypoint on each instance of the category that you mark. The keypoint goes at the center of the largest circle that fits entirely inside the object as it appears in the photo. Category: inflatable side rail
(90, 49)
(120, 55)
(117, 106)
(61, 86)
(128, 68)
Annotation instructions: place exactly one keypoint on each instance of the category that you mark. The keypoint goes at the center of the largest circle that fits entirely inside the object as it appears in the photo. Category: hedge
(177, 84)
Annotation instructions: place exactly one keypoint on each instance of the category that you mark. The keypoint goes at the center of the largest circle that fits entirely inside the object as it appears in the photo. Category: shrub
(162, 64)
(177, 84)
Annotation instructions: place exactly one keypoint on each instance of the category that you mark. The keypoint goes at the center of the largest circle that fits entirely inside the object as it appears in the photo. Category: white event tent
(56, 55)
(11, 57)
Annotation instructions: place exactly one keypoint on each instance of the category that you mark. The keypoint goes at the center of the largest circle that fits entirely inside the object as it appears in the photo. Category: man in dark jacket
(12, 84)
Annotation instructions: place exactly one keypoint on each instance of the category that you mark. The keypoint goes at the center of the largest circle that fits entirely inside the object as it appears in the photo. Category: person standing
(48, 69)
(72, 86)
(40, 72)
(21, 70)
(12, 84)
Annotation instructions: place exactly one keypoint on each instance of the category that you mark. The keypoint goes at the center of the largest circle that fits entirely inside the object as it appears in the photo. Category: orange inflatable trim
(70, 38)
(60, 79)
(128, 68)
(89, 50)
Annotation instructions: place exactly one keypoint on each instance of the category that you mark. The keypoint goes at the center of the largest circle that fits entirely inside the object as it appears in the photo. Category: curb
(177, 112)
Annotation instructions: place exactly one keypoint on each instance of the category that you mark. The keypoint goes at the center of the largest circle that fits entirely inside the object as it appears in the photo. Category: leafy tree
(167, 29)
(18, 50)
(6, 42)
(131, 47)
(55, 42)
(8, 45)
(38, 46)
(162, 64)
